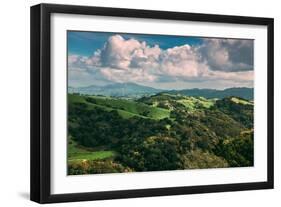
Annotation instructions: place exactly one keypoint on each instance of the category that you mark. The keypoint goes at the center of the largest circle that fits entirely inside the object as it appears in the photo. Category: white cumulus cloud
(130, 60)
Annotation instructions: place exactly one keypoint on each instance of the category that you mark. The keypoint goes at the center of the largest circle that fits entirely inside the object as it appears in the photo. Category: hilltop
(125, 108)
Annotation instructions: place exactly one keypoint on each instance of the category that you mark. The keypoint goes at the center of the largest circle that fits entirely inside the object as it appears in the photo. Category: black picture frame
(41, 96)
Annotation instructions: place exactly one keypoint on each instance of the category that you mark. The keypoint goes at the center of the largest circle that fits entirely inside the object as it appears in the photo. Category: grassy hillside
(158, 132)
(241, 101)
(193, 103)
(78, 153)
(171, 101)
(125, 108)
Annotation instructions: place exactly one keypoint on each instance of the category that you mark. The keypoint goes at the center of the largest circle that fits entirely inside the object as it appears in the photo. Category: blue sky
(86, 43)
(159, 61)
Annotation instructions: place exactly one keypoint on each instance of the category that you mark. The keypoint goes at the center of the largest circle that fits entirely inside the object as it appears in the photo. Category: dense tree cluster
(219, 136)
(96, 167)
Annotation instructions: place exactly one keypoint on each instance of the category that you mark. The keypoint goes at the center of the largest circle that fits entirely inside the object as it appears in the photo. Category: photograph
(158, 102)
(131, 103)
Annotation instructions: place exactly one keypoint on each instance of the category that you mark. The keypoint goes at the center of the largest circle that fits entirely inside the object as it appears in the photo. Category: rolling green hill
(171, 101)
(125, 108)
(159, 132)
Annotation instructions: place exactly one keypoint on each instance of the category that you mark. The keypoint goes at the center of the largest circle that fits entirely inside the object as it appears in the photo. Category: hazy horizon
(113, 83)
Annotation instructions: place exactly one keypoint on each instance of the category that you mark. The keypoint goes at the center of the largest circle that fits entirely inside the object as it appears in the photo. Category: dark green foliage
(96, 167)
(98, 127)
(217, 134)
(221, 124)
(242, 113)
(239, 151)
(150, 154)
(198, 159)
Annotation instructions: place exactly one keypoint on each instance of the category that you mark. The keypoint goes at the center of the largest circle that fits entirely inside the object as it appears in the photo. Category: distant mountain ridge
(117, 90)
(136, 91)
(243, 92)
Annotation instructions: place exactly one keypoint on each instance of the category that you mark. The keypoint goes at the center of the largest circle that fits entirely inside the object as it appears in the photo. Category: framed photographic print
(133, 103)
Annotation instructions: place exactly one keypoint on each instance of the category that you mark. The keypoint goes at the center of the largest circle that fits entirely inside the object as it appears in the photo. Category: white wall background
(14, 103)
